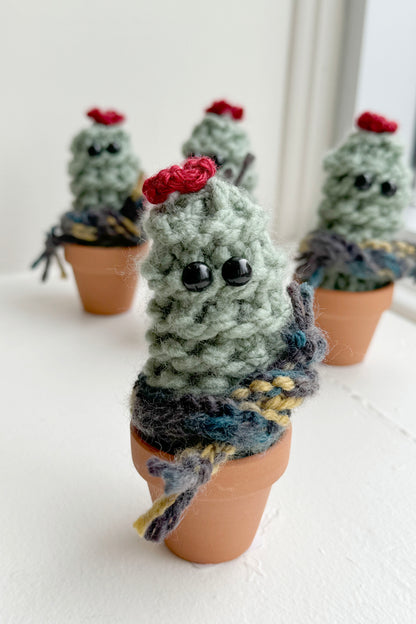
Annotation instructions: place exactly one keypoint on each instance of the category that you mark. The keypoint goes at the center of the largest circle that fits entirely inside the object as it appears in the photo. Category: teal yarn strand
(224, 139)
(204, 342)
(105, 178)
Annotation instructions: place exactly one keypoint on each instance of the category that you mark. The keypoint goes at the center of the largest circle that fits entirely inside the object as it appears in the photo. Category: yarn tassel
(50, 251)
(158, 508)
(183, 478)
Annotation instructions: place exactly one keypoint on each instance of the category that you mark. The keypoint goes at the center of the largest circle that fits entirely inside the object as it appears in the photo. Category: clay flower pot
(106, 276)
(222, 520)
(349, 320)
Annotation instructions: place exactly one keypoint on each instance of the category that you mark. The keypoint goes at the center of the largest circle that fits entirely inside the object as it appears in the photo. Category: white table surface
(337, 542)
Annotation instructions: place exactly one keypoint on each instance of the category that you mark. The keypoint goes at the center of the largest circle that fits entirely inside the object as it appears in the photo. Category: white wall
(159, 62)
(387, 79)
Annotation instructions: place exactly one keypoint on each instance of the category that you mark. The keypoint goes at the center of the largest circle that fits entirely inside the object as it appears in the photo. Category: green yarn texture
(205, 342)
(103, 179)
(224, 139)
(360, 215)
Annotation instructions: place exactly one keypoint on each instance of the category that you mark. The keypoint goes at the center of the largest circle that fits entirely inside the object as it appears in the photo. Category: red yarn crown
(375, 123)
(222, 107)
(189, 178)
(106, 118)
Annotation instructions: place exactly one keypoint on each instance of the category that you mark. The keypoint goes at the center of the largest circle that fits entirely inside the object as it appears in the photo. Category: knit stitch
(103, 168)
(366, 213)
(205, 342)
(221, 137)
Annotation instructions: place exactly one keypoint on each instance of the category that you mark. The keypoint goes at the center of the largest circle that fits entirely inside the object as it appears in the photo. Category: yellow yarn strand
(280, 419)
(260, 386)
(130, 226)
(84, 232)
(405, 249)
(269, 407)
(209, 453)
(240, 394)
(158, 508)
(213, 450)
(376, 244)
(402, 248)
(137, 191)
(281, 403)
(250, 407)
(286, 383)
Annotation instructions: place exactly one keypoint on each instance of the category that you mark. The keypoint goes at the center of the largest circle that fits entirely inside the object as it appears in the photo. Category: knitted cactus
(367, 186)
(107, 186)
(365, 192)
(205, 338)
(220, 137)
(231, 349)
(103, 168)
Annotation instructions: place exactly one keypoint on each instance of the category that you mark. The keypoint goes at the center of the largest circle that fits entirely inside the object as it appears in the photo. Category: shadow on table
(61, 307)
(43, 303)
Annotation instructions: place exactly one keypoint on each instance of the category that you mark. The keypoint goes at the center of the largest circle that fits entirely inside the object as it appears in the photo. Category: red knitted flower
(189, 178)
(375, 123)
(224, 108)
(106, 118)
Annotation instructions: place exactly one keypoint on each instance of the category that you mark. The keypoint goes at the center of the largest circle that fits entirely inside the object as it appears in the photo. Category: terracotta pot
(349, 320)
(222, 520)
(106, 276)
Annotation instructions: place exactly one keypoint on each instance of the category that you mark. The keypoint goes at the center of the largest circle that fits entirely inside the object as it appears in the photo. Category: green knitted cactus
(220, 137)
(365, 193)
(205, 338)
(103, 168)
(367, 186)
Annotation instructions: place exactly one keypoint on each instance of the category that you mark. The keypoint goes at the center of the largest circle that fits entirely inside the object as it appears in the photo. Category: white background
(159, 62)
(162, 63)
(387, 77)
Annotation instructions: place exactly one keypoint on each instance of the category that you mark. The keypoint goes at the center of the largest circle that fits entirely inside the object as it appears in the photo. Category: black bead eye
(196, 276)
(236, 271)
(388, 189)
(113, 148)
(363, 182)
(219, 161)
(94, 149)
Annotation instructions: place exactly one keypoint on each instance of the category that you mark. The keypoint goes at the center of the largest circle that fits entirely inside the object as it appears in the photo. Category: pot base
(200, 545)
(222, 520)
(349, 320)
(106, 277)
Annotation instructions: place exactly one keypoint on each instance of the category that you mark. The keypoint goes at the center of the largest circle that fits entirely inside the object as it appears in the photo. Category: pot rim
(97, 259)
(357, 293)
(240, 460)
